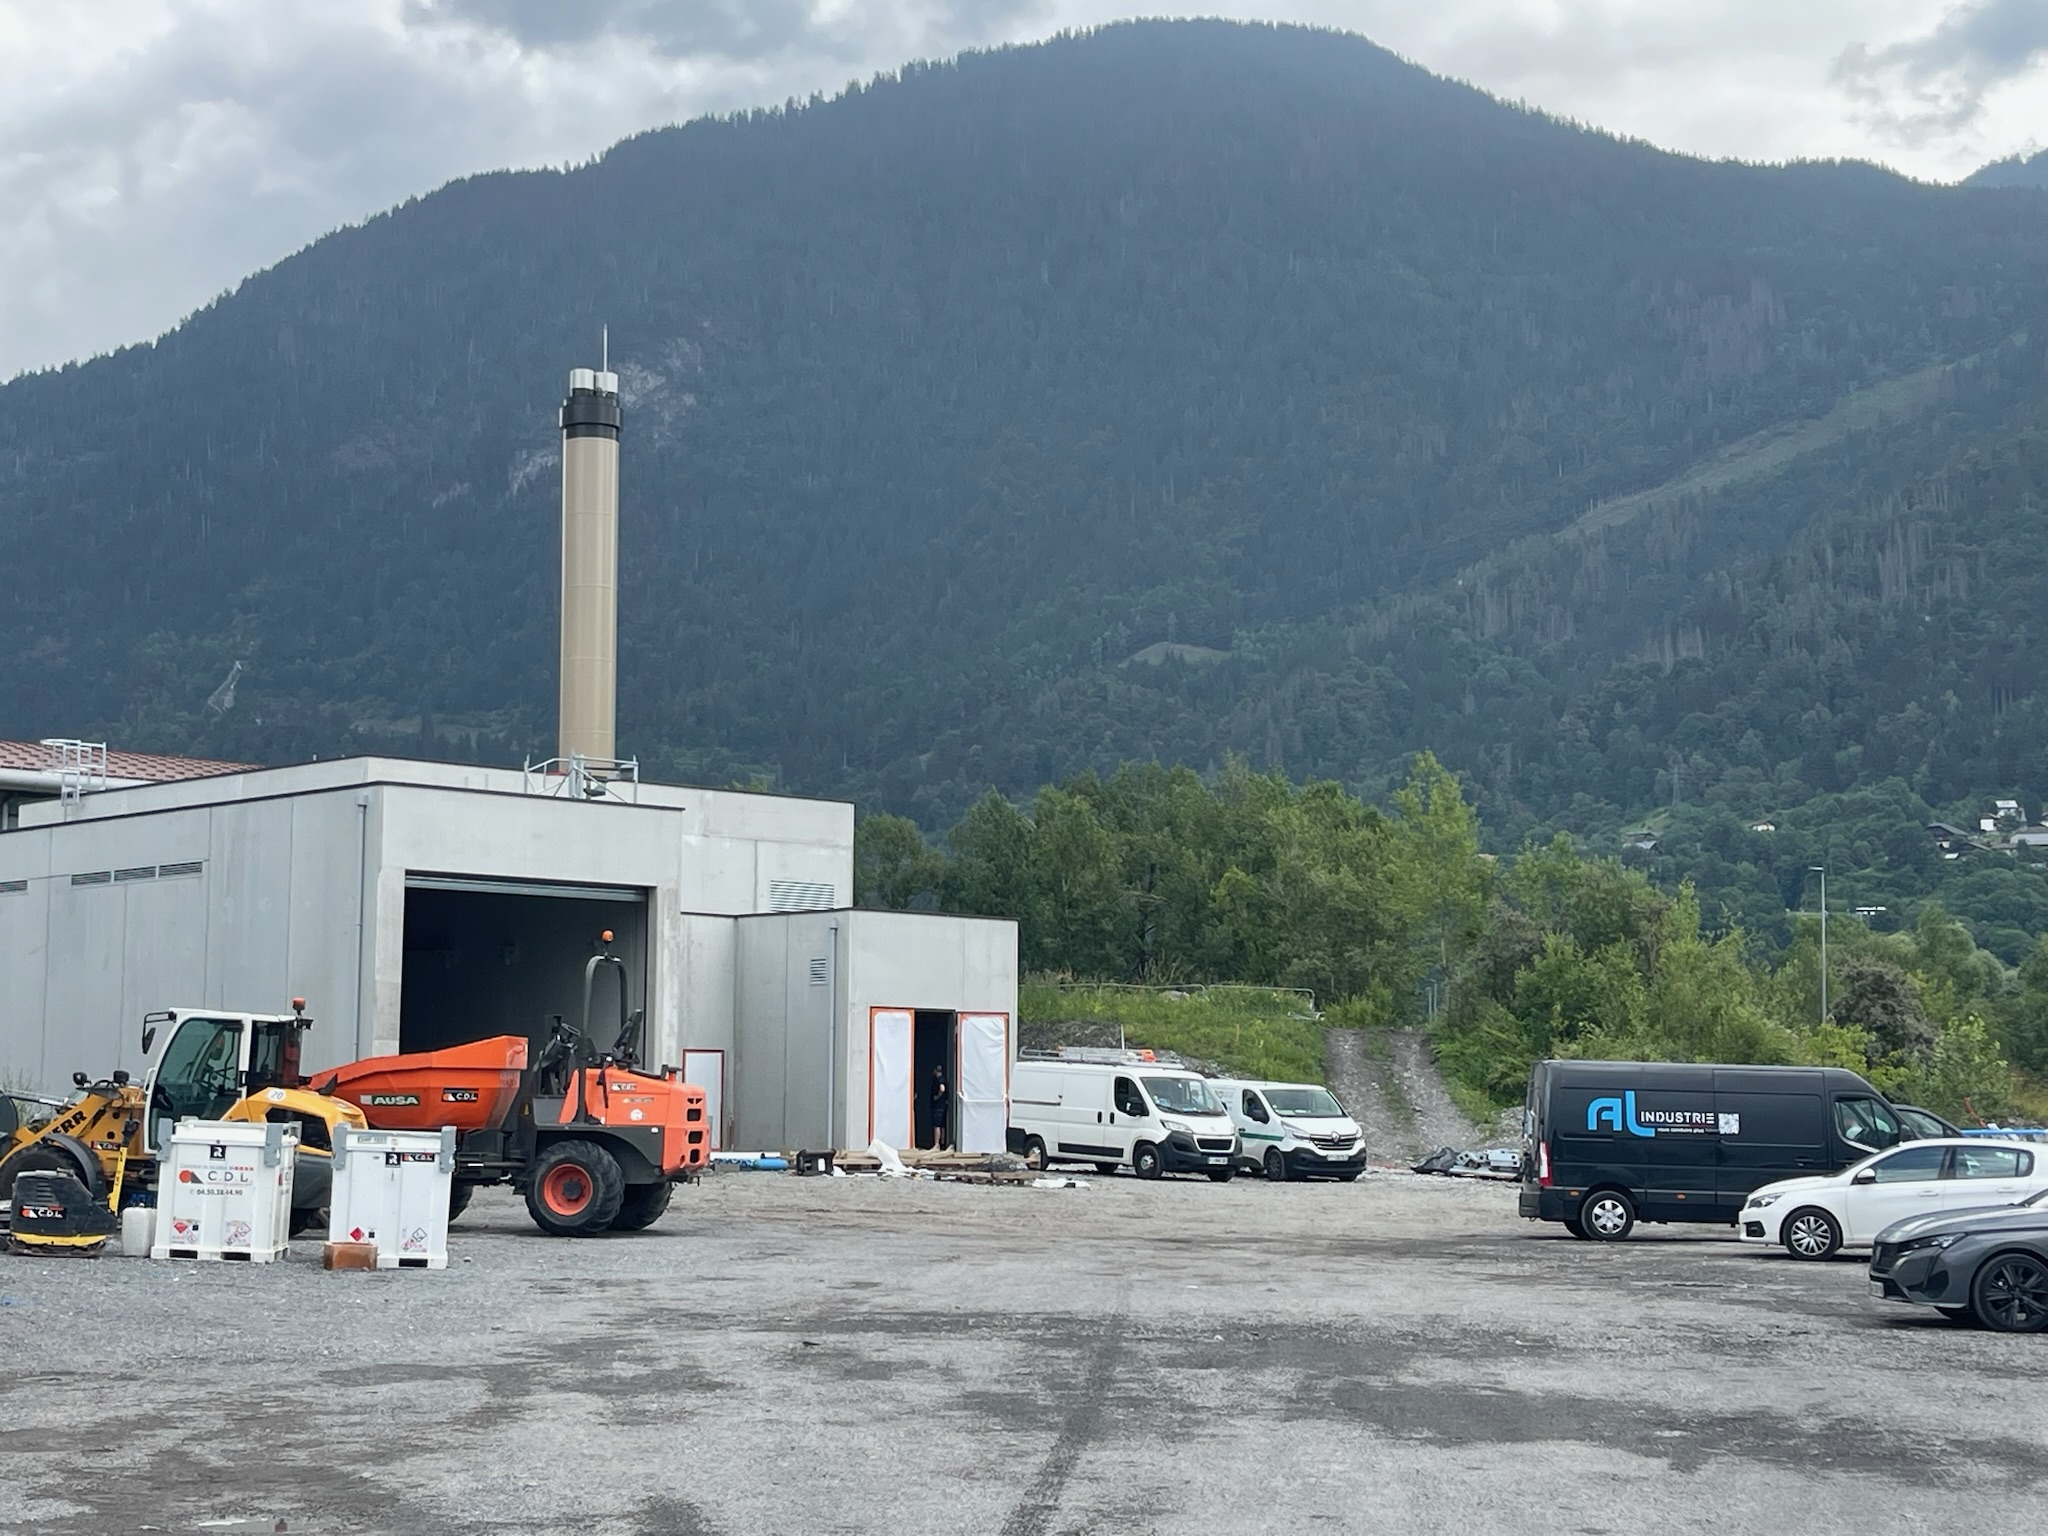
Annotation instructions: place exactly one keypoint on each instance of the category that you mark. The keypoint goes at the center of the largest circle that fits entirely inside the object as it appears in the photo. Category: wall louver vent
(799, 896)
(821, 971)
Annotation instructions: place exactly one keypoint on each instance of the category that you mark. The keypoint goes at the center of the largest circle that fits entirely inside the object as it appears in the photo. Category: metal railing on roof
(577, 777)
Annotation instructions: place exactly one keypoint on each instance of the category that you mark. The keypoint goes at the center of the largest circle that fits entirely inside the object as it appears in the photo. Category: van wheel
(1811, 1234)
(1221, 1175)
(1276, 1166)
(1034, 1154)
(1607, 1216)
(1106, 1169)
(1145, 1161)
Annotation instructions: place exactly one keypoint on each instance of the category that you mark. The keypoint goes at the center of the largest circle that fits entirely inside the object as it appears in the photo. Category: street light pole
(1821, 870)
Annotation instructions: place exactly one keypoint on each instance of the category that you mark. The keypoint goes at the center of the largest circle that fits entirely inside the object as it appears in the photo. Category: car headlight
(1758, 1202)
(1935, 1240)
(1176, 1125)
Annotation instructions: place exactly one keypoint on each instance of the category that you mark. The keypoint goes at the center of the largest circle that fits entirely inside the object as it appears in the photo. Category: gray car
(1989, 1264)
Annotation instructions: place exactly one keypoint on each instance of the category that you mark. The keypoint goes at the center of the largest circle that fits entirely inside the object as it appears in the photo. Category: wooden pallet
(959, 1167)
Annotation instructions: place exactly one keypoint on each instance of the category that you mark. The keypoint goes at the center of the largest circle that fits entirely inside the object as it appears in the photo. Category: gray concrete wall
(302, 893)
(918, 960)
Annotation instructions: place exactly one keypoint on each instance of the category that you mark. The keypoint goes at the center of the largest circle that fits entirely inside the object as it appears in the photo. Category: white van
(1294, 1130)
(1134, 1112)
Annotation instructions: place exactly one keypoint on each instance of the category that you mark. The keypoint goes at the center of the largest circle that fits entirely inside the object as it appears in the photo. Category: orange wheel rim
(566, 1190)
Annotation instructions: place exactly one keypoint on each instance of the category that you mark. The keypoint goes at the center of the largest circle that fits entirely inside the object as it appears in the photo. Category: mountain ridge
(948, 397)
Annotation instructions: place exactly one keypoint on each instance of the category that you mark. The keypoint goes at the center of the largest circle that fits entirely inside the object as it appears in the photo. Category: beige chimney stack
(590, 565)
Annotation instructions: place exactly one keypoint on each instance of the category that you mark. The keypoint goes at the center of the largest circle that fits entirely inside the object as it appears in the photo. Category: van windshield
(1182, 1095)
(1312, 1102)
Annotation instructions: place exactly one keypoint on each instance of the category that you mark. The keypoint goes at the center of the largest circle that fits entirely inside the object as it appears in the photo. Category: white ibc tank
(391, 1188)
(224, 1191)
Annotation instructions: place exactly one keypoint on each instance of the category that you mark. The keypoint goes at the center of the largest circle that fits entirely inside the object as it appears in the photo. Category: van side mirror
(1864, 1176)
(148, 1039)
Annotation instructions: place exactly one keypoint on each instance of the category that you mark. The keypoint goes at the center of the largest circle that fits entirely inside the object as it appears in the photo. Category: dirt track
(1390, 1082)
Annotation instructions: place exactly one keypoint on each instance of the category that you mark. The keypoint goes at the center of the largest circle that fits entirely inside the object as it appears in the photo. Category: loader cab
(203, 1061)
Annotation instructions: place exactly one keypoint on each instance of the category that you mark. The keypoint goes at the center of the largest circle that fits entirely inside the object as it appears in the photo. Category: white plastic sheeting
(890, 1031)
(984, 1099)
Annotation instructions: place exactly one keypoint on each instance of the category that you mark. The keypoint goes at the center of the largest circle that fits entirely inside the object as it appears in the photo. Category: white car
(1813, 1218)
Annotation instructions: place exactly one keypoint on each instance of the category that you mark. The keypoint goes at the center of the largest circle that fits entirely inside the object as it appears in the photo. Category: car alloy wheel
(2011, 1294)
(1812, 1234)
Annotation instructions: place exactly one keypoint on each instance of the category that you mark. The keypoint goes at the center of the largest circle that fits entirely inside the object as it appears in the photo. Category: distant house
(1642, 840)
(2029, 837)
(1952, 841)
(1763, 826)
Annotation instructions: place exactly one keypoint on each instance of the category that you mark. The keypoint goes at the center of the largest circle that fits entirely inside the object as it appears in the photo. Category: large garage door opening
(488, 957)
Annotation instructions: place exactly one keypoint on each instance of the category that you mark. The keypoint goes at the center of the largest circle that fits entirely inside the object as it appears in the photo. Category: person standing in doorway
(942, 1110)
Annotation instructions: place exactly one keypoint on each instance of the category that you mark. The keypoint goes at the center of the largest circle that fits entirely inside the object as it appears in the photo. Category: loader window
(199, 1077)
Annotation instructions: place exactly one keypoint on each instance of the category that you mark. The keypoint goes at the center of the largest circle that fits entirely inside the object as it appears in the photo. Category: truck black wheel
(1275, 1166)
(575, 1190)
(1145, 1161)
(642, 1206)
(1034, 1154)
(1811, 1233)
(1106, 1169)
(305, 1218)
(1607, 1216)
(1220, 1175)
(459, 1196)
(2010, 1294)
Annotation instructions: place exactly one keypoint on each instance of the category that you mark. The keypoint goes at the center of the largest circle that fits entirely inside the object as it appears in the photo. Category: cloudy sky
(153, 152)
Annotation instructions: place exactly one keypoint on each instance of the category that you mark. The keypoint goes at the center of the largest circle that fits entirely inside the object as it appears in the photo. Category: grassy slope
(1246, 1030)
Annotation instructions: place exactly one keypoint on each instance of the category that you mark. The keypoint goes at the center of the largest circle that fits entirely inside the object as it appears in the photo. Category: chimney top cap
(593, 381)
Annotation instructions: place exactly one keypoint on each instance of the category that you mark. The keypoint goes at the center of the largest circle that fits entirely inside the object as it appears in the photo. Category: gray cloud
(154, 152)
(1937, 83)
(735, 29)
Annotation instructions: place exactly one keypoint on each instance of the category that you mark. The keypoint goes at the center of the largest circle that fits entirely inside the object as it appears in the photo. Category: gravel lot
(802, 1355)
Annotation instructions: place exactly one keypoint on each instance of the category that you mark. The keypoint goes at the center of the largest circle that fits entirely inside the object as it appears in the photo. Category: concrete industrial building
(418, 905)
(422, 905)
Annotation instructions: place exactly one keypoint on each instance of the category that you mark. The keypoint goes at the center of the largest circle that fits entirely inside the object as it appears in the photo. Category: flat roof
(237, 783)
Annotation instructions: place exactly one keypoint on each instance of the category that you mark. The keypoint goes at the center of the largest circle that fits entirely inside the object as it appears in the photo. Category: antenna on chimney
(604, 348)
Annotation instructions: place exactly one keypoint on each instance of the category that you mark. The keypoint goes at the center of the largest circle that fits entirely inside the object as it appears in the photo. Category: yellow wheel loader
(204, 1064)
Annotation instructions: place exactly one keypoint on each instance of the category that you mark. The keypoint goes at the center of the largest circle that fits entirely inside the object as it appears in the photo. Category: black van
(1616, 1142)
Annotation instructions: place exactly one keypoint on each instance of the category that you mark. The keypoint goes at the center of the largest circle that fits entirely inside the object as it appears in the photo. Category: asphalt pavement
(810, 1355)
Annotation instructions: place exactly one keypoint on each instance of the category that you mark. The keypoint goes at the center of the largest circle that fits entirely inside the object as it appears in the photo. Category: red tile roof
(153, 767)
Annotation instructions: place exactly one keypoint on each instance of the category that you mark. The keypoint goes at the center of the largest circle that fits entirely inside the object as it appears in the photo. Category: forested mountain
(1176, 390)
(2013, 171)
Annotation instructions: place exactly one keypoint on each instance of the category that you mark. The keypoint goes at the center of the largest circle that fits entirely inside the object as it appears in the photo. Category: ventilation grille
(97, 877)
(799, 896)
(140, 872)
(821, 971)
(189, 867)
(12, 887)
